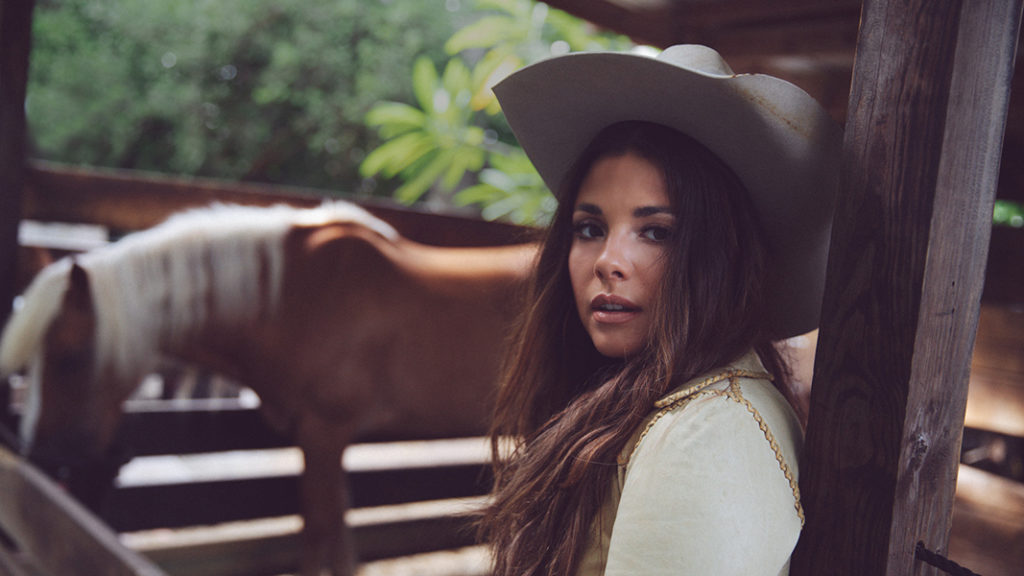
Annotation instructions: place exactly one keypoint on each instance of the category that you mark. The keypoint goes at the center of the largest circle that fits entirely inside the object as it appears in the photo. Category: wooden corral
(122, 202)
(810, 42)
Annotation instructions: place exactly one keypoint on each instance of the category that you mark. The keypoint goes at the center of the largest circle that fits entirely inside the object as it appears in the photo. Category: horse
(341, 326)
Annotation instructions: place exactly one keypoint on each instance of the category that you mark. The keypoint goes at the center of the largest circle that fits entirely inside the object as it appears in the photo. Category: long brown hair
(568, 410)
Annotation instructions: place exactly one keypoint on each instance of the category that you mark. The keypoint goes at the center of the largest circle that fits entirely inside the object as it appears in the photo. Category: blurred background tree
(255, 90)
(299, 93)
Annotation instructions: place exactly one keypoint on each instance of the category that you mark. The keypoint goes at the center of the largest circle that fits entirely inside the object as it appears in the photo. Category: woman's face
(622, 222)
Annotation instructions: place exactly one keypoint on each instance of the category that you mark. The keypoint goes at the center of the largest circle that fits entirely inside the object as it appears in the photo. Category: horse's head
(72, 407)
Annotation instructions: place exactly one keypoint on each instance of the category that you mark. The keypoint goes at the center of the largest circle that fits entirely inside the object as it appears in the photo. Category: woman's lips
(610, 309)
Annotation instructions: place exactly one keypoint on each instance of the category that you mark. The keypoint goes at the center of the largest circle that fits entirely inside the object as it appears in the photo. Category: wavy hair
(568, 410)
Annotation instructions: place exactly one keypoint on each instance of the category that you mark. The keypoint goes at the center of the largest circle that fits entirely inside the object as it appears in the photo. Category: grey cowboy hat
(780, 142)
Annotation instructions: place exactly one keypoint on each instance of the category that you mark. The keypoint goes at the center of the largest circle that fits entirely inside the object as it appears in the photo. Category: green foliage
(510, 191)
(1008, 213)
(313, 93)
(513, 33)
(455, 137)
(433, 145)
(241, 89)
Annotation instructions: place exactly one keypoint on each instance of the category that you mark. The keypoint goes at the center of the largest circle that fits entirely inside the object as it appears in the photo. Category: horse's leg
(326, 541)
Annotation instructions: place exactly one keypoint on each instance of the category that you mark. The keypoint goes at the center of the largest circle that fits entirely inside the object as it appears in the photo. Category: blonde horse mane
(165, 280)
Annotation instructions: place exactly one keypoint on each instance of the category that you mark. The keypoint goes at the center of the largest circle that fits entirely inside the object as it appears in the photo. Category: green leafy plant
(513, 33)
(433, 145)
(454, 143)
(511, 190)
(1008, 213)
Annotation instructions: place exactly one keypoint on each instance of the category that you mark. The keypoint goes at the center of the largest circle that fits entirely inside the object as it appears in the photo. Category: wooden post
(921, 155)
(55, 532)
(15, 38)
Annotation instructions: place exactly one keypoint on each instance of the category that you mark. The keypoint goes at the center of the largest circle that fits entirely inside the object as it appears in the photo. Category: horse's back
(451, 271)
(422, 327)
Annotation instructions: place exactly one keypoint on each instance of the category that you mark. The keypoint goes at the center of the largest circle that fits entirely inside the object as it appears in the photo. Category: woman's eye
(656, 233)
(588, 230)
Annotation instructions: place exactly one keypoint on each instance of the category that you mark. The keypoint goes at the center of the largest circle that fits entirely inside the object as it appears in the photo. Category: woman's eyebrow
(645, 211)
(593, 209)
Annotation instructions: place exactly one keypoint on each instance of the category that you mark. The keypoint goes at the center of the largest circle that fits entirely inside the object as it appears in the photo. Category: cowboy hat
(782, 144)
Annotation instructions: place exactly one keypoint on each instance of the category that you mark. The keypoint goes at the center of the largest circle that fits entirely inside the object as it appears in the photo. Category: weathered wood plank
(375, 541)
(14, 563)
(783, 28)
(259, 556)
(954, 276)
(988, 523)
(180, 504)
(928, 107)
(55, 531)
(734, 26)
(278, 553)
(130, 200)
(652, 26)
(995, 397)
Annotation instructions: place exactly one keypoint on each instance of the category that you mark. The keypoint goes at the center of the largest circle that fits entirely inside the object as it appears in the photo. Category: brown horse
(342, 328)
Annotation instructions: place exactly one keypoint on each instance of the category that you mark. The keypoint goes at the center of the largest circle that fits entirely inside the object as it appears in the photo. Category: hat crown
(697, 58)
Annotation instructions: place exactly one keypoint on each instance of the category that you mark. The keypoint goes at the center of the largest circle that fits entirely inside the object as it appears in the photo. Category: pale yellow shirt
(708, 486)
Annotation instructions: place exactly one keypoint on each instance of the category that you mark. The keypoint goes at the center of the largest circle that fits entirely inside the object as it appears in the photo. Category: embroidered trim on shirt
(680, 399)
(737, 395)
(729, 374)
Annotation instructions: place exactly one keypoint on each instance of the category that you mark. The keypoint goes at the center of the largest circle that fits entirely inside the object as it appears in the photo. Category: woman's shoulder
(743, 384)
(734, 410)
(710, 485)
(747, 367)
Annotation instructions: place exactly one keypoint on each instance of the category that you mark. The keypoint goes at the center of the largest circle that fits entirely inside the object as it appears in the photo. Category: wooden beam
(15, 37)
(733, 27)
(127, 200)
(652, 26)
(779, 27)
(988, 536)
(56, 532)
(178, 504)
(12, 563)
(995, 398)
(923, 140)
(278, 552)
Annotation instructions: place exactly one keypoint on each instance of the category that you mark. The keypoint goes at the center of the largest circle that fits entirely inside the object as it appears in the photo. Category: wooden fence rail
(125, 201)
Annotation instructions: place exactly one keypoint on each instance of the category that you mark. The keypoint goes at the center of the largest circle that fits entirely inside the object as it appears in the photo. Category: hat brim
(777, 139)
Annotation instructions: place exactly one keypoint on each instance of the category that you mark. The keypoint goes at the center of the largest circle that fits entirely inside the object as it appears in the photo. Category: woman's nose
(612, 262)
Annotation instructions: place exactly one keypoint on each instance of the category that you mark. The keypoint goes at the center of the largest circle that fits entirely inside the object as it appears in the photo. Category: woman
(646, 403)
